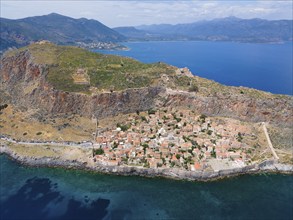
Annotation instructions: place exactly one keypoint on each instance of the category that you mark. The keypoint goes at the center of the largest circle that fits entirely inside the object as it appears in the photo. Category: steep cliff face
(277, 111)
(23, 84)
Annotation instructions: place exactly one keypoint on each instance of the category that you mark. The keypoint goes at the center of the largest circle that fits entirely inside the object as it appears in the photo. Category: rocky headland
(39, 80)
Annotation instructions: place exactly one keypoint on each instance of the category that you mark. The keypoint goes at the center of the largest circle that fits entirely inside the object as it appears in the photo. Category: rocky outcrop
(23, 83)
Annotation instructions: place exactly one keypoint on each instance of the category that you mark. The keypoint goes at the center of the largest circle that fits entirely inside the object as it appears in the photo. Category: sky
(133, 13)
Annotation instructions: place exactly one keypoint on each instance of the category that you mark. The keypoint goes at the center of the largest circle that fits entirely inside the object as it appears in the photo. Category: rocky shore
(269, 166)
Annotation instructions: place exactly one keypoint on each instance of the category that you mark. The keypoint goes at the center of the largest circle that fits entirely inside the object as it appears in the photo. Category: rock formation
(24, 84)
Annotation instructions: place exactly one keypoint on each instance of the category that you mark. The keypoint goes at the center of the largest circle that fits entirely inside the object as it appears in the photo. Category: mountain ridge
(222, 29)
(55, 28)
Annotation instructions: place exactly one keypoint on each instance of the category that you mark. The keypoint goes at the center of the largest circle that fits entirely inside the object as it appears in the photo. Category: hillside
(69, 79)
(225, 29)
(103, 72)
(55, 28)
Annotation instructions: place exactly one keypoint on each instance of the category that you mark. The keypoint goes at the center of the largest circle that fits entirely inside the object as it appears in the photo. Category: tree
(98, 151)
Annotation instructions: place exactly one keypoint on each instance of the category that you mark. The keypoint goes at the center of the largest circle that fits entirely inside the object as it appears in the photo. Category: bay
(266, 67)
(51, 193)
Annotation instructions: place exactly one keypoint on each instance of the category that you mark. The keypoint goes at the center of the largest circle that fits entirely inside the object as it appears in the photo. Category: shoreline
(269, 166)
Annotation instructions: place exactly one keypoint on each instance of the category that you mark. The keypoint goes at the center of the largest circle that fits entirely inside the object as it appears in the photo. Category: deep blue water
(265, 67)
(47, 193)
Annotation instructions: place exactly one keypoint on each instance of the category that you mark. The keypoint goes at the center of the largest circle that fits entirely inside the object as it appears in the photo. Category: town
(101, 46)
(173, 138)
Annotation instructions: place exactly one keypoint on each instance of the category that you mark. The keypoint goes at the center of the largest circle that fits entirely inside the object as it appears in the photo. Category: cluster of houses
(168, 138)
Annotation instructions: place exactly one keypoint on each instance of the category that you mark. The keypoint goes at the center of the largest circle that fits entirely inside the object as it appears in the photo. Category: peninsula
(66, 106)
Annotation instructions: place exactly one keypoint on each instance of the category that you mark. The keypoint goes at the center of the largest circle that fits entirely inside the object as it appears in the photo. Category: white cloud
(124, 13)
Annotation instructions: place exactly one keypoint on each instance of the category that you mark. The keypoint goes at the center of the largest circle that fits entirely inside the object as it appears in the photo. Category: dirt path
(269, 141)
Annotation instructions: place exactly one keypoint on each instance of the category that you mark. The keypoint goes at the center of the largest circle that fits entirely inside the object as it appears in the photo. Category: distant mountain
(131, 32)
(225, 29)
(56, 28)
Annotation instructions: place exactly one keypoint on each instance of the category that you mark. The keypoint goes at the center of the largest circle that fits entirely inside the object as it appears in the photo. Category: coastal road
(61, 144)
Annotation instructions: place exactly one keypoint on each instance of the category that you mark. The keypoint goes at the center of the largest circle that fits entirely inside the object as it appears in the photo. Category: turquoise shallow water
(50, 193)
(265, 67)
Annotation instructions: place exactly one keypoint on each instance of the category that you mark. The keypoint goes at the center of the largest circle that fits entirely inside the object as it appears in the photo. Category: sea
(266, 67)
(37, 193)
(60, 194)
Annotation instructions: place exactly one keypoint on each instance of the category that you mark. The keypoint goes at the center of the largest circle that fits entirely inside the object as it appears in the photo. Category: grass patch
(105, 71)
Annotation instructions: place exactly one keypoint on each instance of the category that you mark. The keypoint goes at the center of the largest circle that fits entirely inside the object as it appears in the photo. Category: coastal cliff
(24, 83)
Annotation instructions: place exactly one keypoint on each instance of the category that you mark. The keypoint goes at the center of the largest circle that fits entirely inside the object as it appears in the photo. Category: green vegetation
(123, 127)
(193, 88)
(115, 73)
(202, 118)
(151, 112)
(105, 71)
(209, 132)
(143, 118)
(145, 145)
(3, 107)
(115, 145)
(98, 151)
(239, 137)
(213, 153)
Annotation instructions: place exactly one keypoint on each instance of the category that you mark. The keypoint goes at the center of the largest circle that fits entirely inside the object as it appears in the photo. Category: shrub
(145, 145)
(171, 144)
(98, 151)
(239, 137)
(143, 118)
(115, 145)
(202, 118)
(213, 153)
(123, 127)
(3, 106)
(165, 117)
(193, 88)
(146, 165)
(151, 112)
